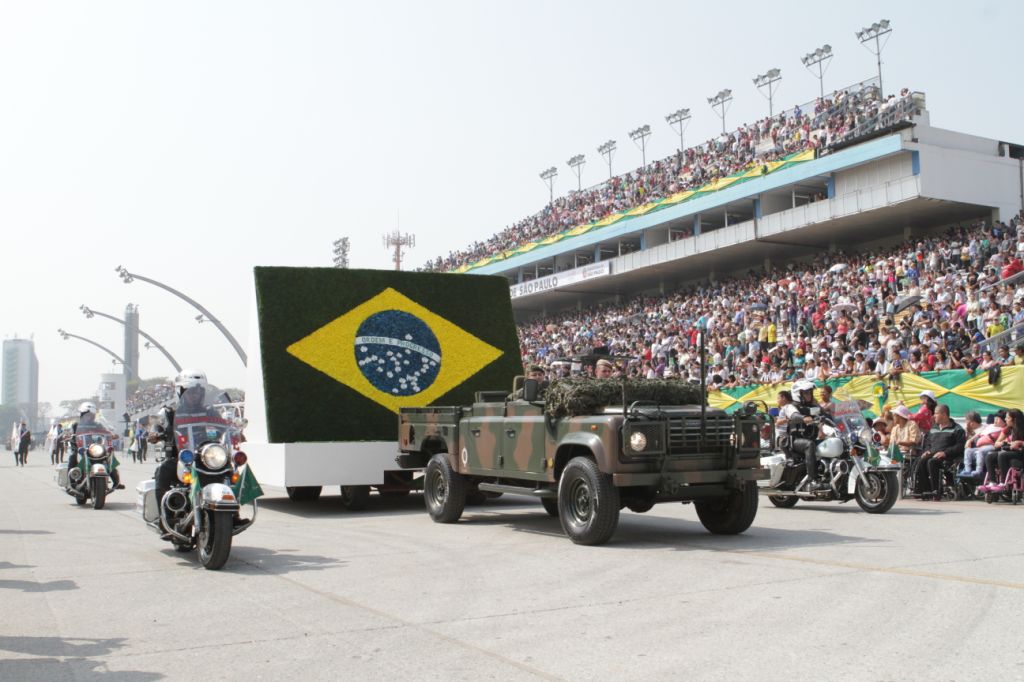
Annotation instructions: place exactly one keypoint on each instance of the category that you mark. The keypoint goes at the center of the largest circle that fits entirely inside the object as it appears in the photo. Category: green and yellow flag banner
(343, 350)
(961, 390)
(749, 173)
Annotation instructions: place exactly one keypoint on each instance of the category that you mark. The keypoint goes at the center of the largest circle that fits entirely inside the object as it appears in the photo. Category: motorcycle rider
(803, 429)
(190, 387)
(87, 424)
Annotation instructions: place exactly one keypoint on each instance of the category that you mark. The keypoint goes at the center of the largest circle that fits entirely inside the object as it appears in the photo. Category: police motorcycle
(203, 508)
(849, 464)
(90, 474)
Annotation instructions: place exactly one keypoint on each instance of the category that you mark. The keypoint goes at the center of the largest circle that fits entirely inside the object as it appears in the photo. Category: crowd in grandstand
(843, 116)
(931, 303)
(150, 397)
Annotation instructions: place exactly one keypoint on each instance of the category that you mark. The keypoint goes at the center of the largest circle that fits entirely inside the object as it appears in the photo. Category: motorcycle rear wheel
(214, 542)
(783, 501)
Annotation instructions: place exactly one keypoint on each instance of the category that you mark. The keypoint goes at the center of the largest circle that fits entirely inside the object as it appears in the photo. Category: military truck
(586, 449)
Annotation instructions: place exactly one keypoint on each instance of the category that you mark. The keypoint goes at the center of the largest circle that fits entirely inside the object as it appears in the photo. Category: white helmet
(801, 385)
(189, 378)
(86, 407)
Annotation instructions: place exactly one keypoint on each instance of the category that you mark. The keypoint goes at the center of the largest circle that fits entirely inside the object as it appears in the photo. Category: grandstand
(851, 171)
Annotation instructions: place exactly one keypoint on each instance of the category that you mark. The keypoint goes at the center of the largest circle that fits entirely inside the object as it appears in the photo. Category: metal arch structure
(68, 335)
(129, 277)
(89, 312)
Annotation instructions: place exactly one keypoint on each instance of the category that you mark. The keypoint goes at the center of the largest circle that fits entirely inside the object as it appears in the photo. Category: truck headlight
(637, 441)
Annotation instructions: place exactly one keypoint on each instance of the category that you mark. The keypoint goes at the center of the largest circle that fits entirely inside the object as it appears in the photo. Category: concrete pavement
(930, 590)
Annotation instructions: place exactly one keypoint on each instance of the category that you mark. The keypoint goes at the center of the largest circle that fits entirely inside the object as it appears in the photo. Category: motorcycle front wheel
(783, 501)
(214, 541)
(876, 492)
(99, 492)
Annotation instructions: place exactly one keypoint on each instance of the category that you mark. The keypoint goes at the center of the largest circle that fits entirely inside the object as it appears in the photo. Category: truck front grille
(684, 434)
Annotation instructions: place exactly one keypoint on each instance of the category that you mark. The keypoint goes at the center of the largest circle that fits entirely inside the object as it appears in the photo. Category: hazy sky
(190, 141)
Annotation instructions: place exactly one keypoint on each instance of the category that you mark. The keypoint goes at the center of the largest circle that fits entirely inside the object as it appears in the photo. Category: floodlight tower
(607, 150)
(396, 240)
(548, 175)
(341, 247)
(875, 32)
(720, 103)
(679, 119)
(819, 58)
(639, 137)
(576, 163)
(767, 81)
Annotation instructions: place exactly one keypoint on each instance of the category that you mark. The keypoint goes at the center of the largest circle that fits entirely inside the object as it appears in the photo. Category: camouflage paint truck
(586, 462)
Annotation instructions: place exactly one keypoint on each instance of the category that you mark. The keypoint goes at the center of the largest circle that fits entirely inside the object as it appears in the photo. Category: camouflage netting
(573, 397)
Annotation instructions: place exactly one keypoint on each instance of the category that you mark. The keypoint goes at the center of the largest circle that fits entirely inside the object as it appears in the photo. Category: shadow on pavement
(32, 586)
(12, 531)
(75, 669)
(261, 561)
(854, 509)
(76, 647)
(119, 505)
(256, 560)
(8, 564)
(330, 506)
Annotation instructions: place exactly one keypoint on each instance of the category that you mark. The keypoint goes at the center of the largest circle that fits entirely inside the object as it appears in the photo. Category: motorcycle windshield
(196, 421)
(87, 435)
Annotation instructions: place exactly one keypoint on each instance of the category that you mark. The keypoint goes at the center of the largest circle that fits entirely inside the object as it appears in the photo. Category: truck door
(481, 443)
(522, 440)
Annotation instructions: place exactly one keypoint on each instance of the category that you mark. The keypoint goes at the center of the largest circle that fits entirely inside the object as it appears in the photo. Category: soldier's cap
(605, 363)
(536, 368)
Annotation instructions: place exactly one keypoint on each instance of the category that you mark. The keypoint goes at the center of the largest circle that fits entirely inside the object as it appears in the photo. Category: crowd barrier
(961, 390)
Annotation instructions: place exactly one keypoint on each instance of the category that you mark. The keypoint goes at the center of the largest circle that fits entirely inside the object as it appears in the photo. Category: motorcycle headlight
(96, 450)
(214, 457)
(637, 441)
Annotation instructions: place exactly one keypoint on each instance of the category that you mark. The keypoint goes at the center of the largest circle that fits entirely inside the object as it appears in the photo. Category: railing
(1011, 338)
(1012, 279)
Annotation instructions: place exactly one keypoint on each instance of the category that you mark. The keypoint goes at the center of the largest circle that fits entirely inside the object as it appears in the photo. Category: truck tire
(355, 497)
(550, 506)
(588, 503)
(444, 490)
(306, 493)
(730, 514)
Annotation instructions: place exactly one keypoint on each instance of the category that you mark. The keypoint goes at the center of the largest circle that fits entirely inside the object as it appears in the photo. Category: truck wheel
(444, 490)
(588, 503)
(303, 493)
(355, 497)
(730, 514)
(550, 506)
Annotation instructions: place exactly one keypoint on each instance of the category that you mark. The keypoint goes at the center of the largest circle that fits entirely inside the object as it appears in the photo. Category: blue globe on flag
(397, 353)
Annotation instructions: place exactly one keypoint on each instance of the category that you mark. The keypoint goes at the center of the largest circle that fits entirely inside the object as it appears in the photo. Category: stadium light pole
(874, 32)
(548, 175)
(576, 164)
(341, 247)
(68, 335)
(129, 277)
(639, 137)
(720, 103)
(767, 81)
(819, 58)
(90, 313)
(679, 119)
(607, 150)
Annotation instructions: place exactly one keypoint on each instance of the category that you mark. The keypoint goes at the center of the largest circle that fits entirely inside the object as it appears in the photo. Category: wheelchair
(952, 487)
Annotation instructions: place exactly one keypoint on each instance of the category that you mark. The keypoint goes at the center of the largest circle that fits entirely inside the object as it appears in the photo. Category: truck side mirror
(531, 390)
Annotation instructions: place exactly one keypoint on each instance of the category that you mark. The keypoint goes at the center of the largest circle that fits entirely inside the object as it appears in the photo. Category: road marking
(895, 570)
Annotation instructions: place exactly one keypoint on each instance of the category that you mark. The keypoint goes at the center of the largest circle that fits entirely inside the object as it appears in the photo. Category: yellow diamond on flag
(395, 352)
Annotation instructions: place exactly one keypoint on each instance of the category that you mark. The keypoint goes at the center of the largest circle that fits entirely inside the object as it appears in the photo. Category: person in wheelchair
(943, 447)
(1009, 450)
